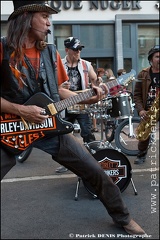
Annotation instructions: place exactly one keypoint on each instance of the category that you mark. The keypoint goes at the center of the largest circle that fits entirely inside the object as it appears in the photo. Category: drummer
(81, 74)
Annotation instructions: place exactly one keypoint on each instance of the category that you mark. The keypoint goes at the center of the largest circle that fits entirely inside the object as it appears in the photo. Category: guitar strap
(49, 59)
(85, 71)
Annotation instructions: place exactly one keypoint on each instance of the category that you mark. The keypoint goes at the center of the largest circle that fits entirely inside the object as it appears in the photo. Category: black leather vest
(46, 82)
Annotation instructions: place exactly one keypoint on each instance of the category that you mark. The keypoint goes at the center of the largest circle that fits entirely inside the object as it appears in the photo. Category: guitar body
(40, 99)
(16, 138)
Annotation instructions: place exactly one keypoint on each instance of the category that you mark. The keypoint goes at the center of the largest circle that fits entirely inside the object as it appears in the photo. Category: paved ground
(37, 203)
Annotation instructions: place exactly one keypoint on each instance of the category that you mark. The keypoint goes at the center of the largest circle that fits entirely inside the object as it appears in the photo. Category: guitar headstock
(127, 78)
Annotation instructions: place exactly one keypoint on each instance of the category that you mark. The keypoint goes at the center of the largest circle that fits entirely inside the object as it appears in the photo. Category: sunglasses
(78, 49)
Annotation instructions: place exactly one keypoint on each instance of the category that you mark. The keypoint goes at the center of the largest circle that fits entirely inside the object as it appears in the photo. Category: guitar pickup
(52, 108)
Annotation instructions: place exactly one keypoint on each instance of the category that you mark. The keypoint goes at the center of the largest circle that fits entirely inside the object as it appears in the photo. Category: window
(126, 31)
(61, 32)
(97, 36)
(148, 37)
(97, 39)
(127, 64)
(101, 63)
(3, 28)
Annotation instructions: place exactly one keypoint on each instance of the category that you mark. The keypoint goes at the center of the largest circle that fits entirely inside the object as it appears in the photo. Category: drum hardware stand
(105, 144)
(77, 189)
(95, 196)
(134, 188)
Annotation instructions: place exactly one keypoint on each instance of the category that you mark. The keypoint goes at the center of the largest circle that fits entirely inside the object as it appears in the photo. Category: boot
(133, 228)
(61, 169)
(141, 157)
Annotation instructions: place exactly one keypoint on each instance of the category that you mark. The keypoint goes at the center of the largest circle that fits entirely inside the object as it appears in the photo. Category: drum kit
(119, 106)
(114, 163)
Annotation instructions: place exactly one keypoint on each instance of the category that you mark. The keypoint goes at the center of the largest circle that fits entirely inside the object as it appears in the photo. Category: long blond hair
(109, 73)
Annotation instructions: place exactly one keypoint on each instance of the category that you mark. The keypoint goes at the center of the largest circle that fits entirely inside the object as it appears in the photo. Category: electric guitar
(17, 135)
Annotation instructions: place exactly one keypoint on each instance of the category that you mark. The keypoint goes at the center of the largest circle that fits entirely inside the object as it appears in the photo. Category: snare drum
(121, 106)
(78, 109)
(116, 165)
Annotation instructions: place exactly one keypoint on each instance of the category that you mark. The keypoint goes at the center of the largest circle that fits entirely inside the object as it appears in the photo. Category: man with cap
(145, 92)
(81, 74)
(30, 67)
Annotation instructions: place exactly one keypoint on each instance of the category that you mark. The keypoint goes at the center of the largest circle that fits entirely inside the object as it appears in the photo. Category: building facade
(116, 34)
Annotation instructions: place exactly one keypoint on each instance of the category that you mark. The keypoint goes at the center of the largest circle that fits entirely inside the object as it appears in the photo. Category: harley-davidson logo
(114, 169)
(16, 126)
(15, 135)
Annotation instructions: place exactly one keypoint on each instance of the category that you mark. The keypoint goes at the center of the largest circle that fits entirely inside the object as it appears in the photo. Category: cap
(152, 51)
(73, 43)
(30, 6)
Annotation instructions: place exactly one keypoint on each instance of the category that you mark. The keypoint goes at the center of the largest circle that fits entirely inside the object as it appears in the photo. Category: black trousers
(68, 151)
(7, 162)
(143, 145)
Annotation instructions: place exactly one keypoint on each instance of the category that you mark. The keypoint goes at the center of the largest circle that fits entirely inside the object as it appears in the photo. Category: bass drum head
(116, 165)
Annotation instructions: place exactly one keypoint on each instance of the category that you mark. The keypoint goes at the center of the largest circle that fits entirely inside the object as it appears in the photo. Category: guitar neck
(63, 104)
(122, 80)
(112, 84)
(74, 99)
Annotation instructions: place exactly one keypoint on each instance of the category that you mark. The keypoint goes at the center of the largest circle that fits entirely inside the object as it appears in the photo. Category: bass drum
(116, 165)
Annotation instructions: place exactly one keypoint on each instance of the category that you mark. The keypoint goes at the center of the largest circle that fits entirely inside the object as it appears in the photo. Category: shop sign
(101, 5)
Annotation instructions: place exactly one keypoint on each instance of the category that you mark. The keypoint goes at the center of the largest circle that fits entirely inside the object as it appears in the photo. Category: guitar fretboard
(74, 99)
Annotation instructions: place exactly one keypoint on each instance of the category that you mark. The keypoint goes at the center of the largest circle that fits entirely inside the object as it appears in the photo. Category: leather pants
(7, 162)
(77, 158)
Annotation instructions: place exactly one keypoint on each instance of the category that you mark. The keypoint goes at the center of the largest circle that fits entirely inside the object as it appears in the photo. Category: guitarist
(27, 68)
